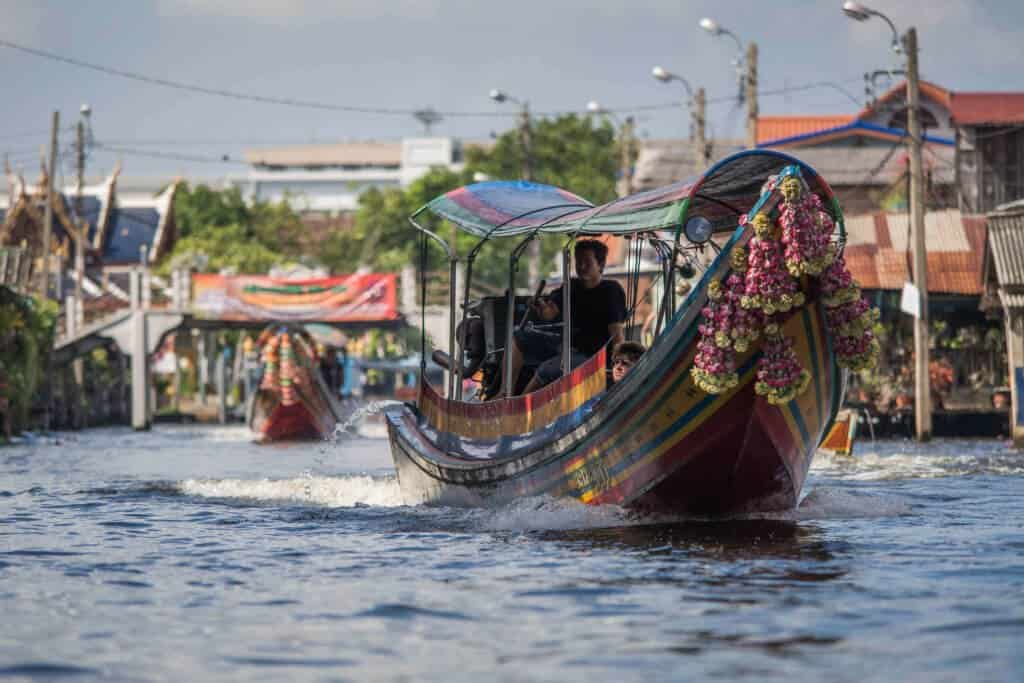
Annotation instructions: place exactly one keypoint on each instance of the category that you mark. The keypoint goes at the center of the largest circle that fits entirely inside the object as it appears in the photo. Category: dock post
(140, 375)
(222, 388)
(203, 366)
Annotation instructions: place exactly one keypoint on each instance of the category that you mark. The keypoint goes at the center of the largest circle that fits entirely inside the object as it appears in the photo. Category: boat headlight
(698, 229)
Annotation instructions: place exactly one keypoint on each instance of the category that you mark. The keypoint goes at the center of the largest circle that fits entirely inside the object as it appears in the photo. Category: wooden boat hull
(655, 442)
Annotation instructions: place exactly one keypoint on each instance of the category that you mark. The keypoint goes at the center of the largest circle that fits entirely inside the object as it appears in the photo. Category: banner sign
(366, 297)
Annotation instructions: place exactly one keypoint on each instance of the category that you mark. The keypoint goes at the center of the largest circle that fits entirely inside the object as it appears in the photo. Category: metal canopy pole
(451, 294)
(566, 309)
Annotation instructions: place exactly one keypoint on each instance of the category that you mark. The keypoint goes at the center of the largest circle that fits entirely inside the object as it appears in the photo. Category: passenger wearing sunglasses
(624, 358)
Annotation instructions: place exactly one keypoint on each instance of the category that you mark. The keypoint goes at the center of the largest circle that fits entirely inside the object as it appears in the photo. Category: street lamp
(908, 46)
(695, 103)
(716, 29)
(859, 12)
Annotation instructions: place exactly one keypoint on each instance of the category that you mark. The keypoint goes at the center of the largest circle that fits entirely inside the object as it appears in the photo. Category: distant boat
(660, 440)
(292, 401)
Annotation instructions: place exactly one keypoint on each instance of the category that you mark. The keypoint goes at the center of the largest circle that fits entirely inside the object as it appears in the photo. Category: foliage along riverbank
(26, 338)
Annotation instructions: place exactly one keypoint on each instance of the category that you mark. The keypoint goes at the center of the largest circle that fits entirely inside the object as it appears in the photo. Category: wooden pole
(48, 212)
(751, 95)
(526, 141)
(626, 156)
(700, 143)
(922, 386)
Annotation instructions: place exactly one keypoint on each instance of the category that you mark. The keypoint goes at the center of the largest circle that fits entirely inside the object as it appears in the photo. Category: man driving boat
(598, 312)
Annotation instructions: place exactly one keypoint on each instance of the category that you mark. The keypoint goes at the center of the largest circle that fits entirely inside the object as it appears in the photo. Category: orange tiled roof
(877, 256)
(776, 127)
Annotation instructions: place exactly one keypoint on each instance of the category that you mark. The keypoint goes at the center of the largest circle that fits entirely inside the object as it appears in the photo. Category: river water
(189, 553)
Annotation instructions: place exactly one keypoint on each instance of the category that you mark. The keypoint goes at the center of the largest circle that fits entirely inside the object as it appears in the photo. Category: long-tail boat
(724, 412)
(292, 401)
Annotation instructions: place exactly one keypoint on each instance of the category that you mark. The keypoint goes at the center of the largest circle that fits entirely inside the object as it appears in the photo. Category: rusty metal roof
(878, 257)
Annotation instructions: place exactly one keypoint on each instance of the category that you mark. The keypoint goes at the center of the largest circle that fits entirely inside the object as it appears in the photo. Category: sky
(403, 55)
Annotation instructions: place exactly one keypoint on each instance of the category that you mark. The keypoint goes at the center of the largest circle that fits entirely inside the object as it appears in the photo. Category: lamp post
(627, 146)
(746, 74)
(525, 128)
(696, 103)
(907, 45)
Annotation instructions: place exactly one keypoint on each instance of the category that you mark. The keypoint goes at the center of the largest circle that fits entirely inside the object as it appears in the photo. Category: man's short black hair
(630, 349)
(595, 247)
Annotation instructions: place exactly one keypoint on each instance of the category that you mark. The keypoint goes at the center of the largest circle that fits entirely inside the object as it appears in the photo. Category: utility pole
(922, 386)
(48, 211)
(700, 143)
(526, 142)
(751, 95)
(81, 227)
(627, 155)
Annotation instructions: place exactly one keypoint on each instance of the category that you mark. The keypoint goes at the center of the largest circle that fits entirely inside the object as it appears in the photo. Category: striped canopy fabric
(508, 208)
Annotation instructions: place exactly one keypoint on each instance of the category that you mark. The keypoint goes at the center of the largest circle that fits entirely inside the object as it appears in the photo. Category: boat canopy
(726, 190)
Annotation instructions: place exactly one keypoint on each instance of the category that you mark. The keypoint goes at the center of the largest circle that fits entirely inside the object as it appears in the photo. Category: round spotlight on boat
(698, 229)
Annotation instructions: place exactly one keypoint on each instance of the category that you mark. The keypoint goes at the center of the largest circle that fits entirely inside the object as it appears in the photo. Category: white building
(328, 178)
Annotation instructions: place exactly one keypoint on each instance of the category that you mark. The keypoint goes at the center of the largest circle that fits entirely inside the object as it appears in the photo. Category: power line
(230, 93)
(131, 151)
(310, 104)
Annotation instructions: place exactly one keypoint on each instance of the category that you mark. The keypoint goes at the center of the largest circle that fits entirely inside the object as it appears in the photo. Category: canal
(191, 553)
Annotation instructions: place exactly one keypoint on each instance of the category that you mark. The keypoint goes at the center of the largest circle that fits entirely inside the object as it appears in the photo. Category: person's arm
(616, 334)
(617, 306)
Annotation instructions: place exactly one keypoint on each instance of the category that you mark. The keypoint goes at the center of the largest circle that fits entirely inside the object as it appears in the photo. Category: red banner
(368, 297)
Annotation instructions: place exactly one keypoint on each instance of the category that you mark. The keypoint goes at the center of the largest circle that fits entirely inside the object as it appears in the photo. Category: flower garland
(780, 377)
(849, 319)
(789, 242)
(806, 229)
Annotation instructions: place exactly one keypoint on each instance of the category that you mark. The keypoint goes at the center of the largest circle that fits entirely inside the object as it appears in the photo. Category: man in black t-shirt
(598, 313)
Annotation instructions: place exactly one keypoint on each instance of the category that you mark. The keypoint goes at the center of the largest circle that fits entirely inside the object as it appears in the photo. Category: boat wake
(884, 461)
(528, 514)
(331, 492)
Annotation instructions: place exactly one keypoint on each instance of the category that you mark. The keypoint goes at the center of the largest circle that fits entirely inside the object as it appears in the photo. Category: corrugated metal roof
(1006, 240)
(340, 154)
(986, 108)
(1011, 300)
(663, 162)
(954, 259)
(776, 127)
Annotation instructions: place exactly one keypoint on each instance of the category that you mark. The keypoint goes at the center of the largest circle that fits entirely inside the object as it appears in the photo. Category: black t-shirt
(593, 310)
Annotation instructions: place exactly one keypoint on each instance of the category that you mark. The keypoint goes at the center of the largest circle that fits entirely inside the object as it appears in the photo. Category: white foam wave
(332, 492)
(551, 514)
(883, 462)
(832, 503)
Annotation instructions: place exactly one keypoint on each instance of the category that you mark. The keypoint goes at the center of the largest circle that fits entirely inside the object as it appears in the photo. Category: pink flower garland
(849, 319)
(806, 229)
(763, 285)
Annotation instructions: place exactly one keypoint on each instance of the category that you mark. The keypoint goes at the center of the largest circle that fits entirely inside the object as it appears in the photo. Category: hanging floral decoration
(780, 377)
(850, 320)
(792, 240)
(282, 369)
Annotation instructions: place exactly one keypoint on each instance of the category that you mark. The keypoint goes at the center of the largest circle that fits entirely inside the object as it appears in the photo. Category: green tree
(571, 152)
(217, 229)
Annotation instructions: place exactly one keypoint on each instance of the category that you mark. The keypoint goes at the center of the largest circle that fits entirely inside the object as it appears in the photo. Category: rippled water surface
(192, 554)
